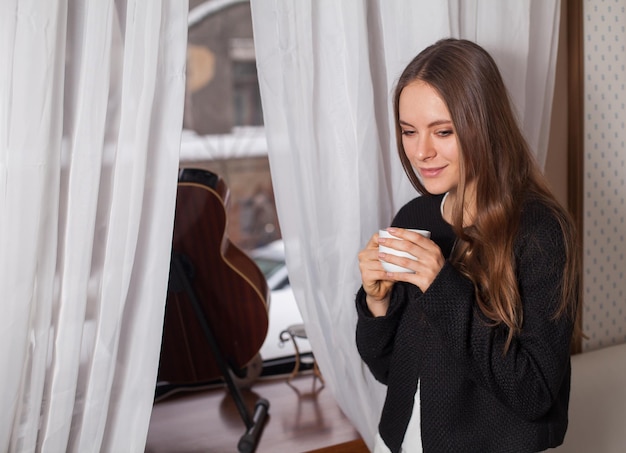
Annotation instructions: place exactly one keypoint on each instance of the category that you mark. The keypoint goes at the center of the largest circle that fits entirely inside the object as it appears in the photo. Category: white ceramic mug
(383, 249)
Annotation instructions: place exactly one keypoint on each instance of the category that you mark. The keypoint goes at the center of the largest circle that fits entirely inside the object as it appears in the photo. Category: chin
(436, 189)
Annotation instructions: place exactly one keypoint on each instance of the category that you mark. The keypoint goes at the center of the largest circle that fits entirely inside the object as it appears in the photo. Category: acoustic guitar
(231, 289)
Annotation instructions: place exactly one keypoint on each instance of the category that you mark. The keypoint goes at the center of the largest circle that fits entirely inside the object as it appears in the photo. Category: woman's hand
(376, 284)
(429, 262)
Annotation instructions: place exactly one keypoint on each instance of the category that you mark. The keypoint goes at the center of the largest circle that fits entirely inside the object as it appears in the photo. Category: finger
(403, 239)
(368, 255)
(402, 261)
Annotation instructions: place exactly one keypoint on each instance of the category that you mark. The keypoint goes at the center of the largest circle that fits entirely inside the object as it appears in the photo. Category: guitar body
(230, 287)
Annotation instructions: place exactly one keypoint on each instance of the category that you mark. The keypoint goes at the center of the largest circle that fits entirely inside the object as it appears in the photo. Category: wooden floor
(303, 417)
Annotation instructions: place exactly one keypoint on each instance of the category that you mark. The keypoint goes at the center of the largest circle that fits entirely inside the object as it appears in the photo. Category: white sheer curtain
(91, 102)
(326, 72)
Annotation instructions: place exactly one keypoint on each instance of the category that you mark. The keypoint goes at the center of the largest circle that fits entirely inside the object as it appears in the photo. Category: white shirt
(412, 442)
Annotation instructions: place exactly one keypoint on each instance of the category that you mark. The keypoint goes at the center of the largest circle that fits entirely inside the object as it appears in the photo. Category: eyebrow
(432, 124)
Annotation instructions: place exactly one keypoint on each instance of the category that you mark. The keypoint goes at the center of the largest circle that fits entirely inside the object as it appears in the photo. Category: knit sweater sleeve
(526, 378)
(375, 335)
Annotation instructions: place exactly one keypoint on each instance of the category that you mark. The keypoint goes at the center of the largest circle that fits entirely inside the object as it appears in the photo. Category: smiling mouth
(431, 172)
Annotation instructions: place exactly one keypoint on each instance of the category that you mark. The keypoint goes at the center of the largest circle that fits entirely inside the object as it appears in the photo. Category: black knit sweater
(474, 397)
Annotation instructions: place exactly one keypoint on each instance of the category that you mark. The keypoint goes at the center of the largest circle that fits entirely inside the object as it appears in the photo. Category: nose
(420, 148)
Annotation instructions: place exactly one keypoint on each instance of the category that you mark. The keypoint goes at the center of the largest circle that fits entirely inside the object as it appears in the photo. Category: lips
(431, 172)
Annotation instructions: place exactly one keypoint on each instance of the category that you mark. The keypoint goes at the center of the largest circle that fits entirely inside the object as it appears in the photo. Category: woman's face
(429, 138)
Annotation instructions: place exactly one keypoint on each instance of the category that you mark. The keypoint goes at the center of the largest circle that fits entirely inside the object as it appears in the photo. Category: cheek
(405, 145)
(451, 154)
(454, 162)
(410, 146)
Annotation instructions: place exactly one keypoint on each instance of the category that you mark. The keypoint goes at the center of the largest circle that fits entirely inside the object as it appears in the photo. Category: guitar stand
(181, 279)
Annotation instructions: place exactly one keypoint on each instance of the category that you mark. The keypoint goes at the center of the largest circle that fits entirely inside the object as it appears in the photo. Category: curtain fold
(91, 106)
(326, 74)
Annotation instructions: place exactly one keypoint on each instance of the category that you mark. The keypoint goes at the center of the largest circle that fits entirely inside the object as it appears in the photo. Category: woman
(479, 334)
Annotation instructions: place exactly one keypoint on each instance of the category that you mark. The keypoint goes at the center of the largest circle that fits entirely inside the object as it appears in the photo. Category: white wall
(604, 281)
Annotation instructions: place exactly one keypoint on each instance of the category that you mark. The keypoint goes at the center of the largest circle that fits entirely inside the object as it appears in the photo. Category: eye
(407, 132)
(445, 132)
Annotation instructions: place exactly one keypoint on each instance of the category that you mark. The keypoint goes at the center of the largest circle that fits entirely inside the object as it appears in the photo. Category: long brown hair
(495, 156)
